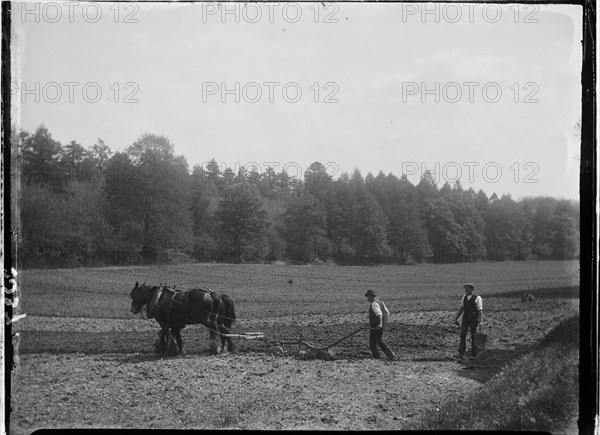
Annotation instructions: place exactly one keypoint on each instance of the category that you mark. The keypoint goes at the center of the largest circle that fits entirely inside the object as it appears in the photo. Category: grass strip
(538, 391)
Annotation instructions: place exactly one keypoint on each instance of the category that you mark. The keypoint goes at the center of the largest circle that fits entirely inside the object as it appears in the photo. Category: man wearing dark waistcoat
(378, 314)
(471, 310)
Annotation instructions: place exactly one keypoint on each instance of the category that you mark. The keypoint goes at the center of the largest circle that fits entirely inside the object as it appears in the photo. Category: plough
(312, 352)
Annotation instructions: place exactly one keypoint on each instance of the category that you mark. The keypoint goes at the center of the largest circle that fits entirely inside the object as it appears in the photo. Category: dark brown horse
(173, 309)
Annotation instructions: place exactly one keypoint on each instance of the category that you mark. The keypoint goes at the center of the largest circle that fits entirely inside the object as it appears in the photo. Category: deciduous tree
(242, 222)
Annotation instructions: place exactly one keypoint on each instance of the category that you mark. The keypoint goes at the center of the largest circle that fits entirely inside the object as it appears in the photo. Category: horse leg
(230, 345)
(214, 344)
(171, 344)
(177, 334)
(160, 346)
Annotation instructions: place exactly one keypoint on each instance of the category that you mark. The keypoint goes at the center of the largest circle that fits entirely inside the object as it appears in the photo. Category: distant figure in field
(378, 314)
(527, 297)
(471, 310)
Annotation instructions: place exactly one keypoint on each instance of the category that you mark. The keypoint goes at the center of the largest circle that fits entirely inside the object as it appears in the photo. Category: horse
(173, 309)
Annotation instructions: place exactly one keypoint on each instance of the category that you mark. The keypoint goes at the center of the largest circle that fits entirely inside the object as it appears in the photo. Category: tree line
(91, 206)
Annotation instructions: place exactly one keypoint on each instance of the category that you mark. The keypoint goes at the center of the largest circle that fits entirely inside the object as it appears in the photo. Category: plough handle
(343, 338)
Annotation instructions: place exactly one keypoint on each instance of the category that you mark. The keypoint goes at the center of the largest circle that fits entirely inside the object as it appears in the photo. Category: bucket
(480, 339)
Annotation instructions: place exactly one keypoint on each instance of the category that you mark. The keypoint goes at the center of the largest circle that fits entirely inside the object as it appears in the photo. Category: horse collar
(154, 301)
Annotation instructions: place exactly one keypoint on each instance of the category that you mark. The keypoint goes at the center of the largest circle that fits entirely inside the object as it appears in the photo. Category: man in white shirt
(378, 314)
(472, 311)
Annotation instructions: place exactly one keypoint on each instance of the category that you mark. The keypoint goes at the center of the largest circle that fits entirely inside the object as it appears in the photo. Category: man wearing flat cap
(378, 314)
(472, 311)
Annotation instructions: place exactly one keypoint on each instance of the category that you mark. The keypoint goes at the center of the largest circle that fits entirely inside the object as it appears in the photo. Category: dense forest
(79, 206)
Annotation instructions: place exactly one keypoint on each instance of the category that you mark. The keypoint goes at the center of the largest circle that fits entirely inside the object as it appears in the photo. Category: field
(86, 361)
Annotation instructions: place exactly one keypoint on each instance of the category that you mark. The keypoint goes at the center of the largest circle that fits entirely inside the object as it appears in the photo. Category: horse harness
(183, 297)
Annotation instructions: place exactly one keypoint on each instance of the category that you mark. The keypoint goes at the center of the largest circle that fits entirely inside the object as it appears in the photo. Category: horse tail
(229, 315)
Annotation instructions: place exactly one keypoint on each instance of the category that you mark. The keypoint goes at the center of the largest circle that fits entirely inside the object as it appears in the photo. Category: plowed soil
(93, 373)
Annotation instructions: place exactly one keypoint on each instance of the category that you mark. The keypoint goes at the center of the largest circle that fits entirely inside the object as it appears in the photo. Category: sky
(488, 94)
